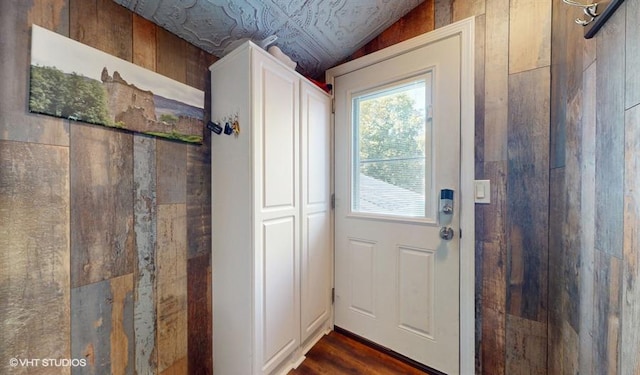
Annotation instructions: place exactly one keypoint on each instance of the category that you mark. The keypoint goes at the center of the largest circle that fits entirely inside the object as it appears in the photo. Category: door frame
(466, 30)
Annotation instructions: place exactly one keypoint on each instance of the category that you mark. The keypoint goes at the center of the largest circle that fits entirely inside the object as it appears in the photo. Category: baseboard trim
(389, 352)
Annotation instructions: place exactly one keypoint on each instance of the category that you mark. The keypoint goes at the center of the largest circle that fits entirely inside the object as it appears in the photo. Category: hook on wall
(590, 10)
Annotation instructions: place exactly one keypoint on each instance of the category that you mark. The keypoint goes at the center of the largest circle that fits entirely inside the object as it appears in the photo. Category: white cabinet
(272, 236)
(317, 224)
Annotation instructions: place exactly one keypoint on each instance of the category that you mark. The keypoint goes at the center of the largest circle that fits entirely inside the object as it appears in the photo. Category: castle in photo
(138, 109)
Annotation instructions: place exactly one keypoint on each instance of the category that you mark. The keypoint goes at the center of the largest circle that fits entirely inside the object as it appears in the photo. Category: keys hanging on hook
(214, 127)
(235, 125)
(230, 126)
(227, 128)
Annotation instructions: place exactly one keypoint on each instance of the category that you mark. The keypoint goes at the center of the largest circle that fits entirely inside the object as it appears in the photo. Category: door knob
(446, 233)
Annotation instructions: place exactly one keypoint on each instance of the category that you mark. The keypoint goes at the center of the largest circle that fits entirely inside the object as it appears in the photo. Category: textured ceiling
(317, 34)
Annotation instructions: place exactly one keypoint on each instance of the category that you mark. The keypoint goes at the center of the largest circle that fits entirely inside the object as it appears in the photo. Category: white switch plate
(482, 191)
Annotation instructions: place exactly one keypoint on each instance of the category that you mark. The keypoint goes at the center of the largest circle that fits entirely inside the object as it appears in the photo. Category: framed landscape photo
(74, 81)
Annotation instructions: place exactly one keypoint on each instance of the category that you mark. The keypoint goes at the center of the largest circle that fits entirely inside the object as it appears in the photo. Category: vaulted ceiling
(317, 34)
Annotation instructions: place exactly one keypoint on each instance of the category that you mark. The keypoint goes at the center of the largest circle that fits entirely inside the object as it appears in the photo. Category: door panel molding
(416, 266)
(362, 257)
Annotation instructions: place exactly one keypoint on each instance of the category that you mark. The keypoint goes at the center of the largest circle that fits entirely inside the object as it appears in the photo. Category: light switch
(482, 191)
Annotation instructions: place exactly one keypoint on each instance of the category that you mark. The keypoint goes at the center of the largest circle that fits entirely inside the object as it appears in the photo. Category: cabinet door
(315, 145)
(276, 195)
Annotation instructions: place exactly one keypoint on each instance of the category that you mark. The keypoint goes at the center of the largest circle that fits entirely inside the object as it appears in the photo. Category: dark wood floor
(337, 354)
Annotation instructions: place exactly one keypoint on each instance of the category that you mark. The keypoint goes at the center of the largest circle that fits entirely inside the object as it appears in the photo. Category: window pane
(392, 150)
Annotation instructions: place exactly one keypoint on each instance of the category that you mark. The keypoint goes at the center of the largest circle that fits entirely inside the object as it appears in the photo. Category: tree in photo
(68, 95)
(47, 90)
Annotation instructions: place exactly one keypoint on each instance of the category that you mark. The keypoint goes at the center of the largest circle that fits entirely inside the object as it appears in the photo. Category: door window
(391, 172)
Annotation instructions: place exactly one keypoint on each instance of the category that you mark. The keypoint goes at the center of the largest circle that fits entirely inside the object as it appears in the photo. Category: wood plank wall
(594, 188)
(105, 234)
(513, 73)
(584, 312)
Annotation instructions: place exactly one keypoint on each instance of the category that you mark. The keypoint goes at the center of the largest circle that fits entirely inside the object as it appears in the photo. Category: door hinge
(460, 232)
(333, 295)
(333, 201)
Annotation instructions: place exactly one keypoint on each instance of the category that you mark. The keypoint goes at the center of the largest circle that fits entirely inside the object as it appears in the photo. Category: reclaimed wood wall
(105, 234)
(513, 73)
(594, 273)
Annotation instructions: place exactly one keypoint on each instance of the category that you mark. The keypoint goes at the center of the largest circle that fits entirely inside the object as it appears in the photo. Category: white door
(397, 147)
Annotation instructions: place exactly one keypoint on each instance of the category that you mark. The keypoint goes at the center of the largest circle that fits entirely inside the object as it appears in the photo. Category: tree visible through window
(391, 134)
